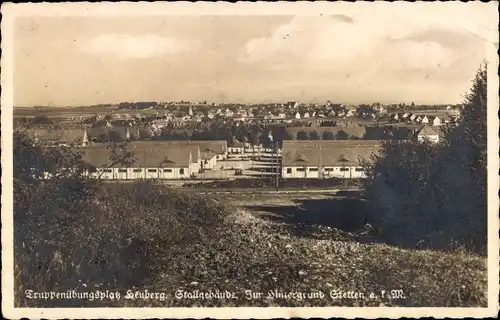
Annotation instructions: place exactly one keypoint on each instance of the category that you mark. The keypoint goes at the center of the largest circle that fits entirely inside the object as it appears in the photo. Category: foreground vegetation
(147, 237)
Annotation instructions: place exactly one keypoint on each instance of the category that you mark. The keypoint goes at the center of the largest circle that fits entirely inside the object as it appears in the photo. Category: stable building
(76, 137)
(174, 145)
(218, 148)
(208, 160)
(428, 133)
(149, 161)
(326, 158)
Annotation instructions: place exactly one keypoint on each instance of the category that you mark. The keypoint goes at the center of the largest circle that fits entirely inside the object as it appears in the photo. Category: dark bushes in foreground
(123, 238)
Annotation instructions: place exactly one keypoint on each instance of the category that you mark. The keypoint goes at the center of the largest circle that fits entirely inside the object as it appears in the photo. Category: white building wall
(194, 167)
(236, 150)
(312, 172)
(174, 173)
(431, 138)
(142, 173)
(337, 172)
(120, 173)
(295, 172)
(348, 172)
(105, 173)
(209, 163)
(152, 173)
(135, 173)
(357, 173)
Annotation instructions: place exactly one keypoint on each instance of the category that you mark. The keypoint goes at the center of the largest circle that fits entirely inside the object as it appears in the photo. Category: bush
(122, 238)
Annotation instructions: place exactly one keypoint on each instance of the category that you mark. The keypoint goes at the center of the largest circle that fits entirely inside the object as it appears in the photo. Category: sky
(388, 53)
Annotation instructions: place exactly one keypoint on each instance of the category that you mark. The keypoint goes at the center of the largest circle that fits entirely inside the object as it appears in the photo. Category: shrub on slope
(120, 239)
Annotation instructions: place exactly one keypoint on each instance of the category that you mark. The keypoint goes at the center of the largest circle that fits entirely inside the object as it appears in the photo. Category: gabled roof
(53, 135)
(102, 133)
(427, 131)
(140, 132)
(207, 155)
(146, 156)
(214, 146)
(328, 152)
(301, 157)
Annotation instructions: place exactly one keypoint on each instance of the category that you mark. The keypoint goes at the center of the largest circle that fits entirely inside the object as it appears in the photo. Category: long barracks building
(326, 158)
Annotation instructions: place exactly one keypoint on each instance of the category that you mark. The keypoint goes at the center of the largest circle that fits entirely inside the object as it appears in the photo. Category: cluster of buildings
(187, 159)
(291, 114)
(433, 119)
(155, 159)
(337, 158)
(281, 113)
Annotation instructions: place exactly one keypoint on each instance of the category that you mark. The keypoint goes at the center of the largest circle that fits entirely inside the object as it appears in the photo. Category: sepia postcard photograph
(250, 160)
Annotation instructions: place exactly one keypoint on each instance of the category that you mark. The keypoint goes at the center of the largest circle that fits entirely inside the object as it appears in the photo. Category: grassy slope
(259, 255)
(287, 263)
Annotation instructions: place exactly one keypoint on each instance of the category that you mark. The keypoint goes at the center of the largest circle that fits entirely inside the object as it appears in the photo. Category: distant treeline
(253, 134)
(138, 105)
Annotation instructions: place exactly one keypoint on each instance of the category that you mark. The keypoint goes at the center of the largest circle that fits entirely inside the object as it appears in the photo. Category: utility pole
(320, 168)
(277, 168)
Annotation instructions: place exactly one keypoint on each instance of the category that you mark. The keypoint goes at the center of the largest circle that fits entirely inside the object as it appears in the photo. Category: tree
(225, 134)
(342, 135)
(328, 135)
(301, 135)
(41, 120)
(253, 137)
(265, 140)
(313, 135)
(458, 189)
(395, 178)
(434, 195)
(241, 133)
(280, 134)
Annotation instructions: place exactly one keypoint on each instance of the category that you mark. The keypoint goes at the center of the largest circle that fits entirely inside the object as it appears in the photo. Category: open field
(61, 111)
(69, 112)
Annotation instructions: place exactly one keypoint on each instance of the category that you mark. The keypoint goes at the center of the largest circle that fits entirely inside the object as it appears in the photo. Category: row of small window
(289, 170)
(181, 171)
